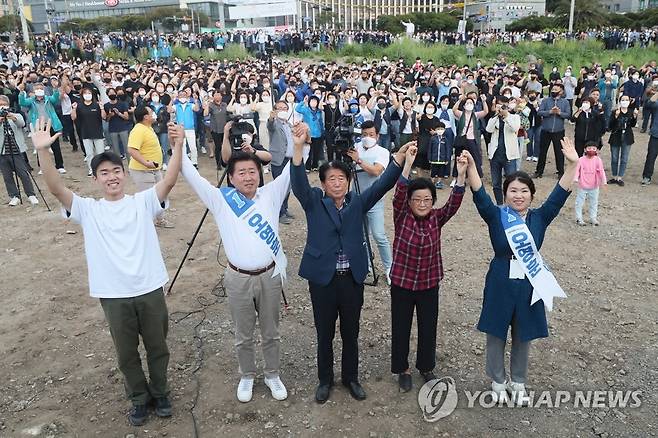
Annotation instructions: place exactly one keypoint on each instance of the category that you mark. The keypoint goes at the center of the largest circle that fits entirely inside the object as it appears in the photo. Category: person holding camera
(371, 159)
(503, 150)
(335, 260)
(12, 147)
(242, 138)
(146, 155)
(125, 266)
(247, 218)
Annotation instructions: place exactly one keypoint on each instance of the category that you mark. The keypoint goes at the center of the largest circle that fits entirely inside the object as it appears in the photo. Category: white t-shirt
(243, 249)
(373, 155)
(122, 247)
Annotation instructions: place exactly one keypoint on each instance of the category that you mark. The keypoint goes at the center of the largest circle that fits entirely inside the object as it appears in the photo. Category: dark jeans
(546, 139)
(57, 152)
(647, 115)
(218, 138)
(534, 135)
(128, 318)
(316, 153)
(16, 163)
(276, 172)
(341, 297)
(474, 149)
(331, 148)
(69, 131)
(403, 303)
(500, 167)
(650, 161)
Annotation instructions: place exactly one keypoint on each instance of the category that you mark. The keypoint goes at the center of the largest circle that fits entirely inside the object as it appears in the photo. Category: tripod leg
(40, 192)
(366, 231)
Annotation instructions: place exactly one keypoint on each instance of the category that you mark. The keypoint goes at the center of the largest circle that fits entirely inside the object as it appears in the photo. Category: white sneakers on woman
(499, 394)
(246, 388)
(516, 391)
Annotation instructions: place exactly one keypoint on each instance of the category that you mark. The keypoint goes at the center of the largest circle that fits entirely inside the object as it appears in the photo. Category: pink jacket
(590, 173)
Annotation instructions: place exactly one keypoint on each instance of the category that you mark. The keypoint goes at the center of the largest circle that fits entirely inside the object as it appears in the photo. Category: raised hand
(569, 150)
(40, 134)
(462, 164)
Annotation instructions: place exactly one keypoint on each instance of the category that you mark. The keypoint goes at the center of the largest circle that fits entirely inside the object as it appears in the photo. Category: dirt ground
(58, 375)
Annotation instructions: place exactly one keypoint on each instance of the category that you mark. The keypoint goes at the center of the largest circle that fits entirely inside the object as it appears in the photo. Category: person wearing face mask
(570, 84)
(468, 129)
(160, 125)
(185, 112)
(332, 115)
(422, 101)
(634, 89)
(439, 153)
(263, 108)
(590, 176)
(503, 149)
(589, 82)
(622, 122)
(516, 290)
(119, 123)
(427, 125)
(314, 119)
(554, 110)
(382, 113)
(651, 88)
(446, 115)
(91, 117)
(371, 159)
(652, 149)
(589, 125)
(607, 86)
(335, 260)
(217, 111)
(418, 268)
(41, 106)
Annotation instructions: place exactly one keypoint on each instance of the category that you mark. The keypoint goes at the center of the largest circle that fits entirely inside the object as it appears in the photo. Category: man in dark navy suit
(335, 260)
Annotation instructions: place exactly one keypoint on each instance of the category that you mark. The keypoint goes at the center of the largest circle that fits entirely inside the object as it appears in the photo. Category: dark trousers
(647, 116)
(218, 138)
(128, 318)
(331, 148)
(16, 163)
(276, 172)
(545, 141)
(650, 161)
(403, 303)
(499, 169)
(69, 131)
(343, 298)
(57, 152)
(474, 149)
(316, 153)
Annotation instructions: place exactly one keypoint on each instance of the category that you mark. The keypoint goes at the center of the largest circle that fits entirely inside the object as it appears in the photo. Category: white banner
(262, 10)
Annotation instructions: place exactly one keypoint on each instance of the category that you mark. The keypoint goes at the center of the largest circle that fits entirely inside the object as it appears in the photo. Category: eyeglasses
(423, 201)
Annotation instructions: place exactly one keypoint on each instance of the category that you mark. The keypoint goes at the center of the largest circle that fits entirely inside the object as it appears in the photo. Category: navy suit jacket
(330, 229)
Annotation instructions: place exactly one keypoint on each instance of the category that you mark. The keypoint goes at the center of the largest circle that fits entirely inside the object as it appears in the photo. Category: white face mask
(585, 106)
(331, 101)
(246, 138)
(444, 106)
(86, 97)
(266, 99)
(290, 98)
(468, 107)
(654, 83)
(155, 98)
(625, 103)
(243, 100)
(636, 77)
(567, 74)
(283, 115)
(591, 78)
(425, 98)
(511, 105)
(39, 93)
(183, 100)
(368, 142)
(440, 132)
(142, 93)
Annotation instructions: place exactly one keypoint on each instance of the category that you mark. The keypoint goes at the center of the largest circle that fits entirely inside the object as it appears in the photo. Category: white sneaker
(13, 202)
(34, 152)
(203, 150)
(90, 173)
(245, 389)
(518, 393)
(62, 170)
(40, 172)
(535, 159)
(388, 278)
(279, 391)
(266, 170)
(529, 159)
(33, 200)
(164, 167)
(107, 148)
(499, 394)
(452, 184)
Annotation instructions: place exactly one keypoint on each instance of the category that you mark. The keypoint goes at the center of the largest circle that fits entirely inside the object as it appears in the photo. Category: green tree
(587, 14)
(326, 18)
(531, 24)
(425, 22)
(12, 23)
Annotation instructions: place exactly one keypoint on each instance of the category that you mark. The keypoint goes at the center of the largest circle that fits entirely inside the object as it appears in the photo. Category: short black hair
(521, 177)
(421, 184)
(338, 165)
(367, 124)
(103, 157)
(239, 156)
(140, 112)
(591, 143)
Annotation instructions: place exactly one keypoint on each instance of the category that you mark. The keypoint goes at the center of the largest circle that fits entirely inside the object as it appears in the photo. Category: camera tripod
(9, 134)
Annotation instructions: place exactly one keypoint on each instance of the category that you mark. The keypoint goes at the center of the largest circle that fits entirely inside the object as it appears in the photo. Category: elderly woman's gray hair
(4, 99)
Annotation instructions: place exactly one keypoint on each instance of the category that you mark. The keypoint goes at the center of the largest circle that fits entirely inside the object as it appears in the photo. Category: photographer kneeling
(335, 260)
(12, 147)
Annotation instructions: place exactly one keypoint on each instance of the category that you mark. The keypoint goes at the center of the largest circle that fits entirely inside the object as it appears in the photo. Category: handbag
(461, 141)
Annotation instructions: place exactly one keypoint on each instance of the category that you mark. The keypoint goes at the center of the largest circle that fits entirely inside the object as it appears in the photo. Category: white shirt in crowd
(123, 252)
(244, 250)
(373, 155)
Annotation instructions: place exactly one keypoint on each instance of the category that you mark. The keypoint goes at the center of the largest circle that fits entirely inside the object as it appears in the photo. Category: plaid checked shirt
(417, 263)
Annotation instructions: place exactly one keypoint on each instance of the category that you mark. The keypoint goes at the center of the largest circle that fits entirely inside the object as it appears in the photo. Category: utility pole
(45, 8)
(222, 19)
(21, 13)
(571, 11)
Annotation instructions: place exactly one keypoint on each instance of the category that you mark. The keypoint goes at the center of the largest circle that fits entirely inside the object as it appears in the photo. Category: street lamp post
(571, 11)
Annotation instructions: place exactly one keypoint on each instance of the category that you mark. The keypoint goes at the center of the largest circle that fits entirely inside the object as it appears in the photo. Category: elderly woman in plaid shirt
(417, 268)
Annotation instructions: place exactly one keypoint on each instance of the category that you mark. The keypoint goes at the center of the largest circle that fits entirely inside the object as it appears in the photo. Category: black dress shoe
(428, 376)
(536, 175)
(356, 390)
(322, 393)
(620, 183)
(404, 380)
(162, 407)
(138, 415)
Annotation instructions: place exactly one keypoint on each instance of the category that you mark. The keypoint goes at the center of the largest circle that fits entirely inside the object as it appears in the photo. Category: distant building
(488, 15)
(623, 6)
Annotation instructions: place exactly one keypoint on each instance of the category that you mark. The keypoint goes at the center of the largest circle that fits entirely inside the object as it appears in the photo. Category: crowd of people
(417, 127)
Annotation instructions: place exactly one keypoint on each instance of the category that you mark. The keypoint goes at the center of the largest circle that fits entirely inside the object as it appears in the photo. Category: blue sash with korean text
(545, 286)
(255, 223)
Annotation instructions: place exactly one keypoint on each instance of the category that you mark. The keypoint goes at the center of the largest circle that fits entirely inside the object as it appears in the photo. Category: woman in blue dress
(507, 294)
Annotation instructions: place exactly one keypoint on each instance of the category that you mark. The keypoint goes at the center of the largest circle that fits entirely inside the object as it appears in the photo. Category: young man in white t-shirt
(125, 266)
(371, 160)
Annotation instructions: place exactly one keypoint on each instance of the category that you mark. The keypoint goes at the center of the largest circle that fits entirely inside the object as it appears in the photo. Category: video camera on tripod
(344, 133)
(240, 128)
